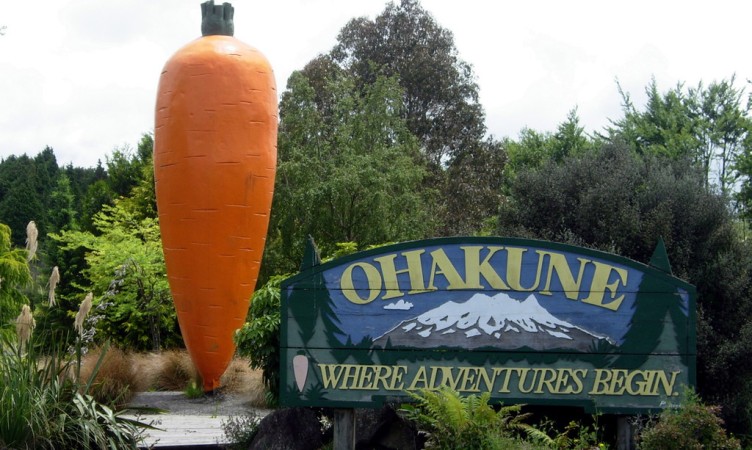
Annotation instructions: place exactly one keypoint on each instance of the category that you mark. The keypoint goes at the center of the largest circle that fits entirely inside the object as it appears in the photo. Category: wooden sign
(528, 321)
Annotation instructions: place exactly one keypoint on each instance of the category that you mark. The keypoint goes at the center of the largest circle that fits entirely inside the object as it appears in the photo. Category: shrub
(453, 422)
(240, 430)
(115, 380)
(579, 436)
(176, 371)
(258, 338)
(42, 406)
(692, 426)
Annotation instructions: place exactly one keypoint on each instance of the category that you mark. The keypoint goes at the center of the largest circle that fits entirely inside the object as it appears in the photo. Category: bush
(240, 430)
(115, 380)
(176, 371)
(616, 201)
(453, 422)
(258, 338)
(44, 404)
(692, 426)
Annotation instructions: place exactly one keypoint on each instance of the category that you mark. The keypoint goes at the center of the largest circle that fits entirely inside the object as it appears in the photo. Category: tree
(352, 174)
(532, 149)
(440, 106)
(440, 94)
(666, 127)
(616, 200)
(14, 275)
(125, 167)
(125, 270)
(61, 214)
(472, 191)
(80, 179)
(26, 185)
(723, 129)
(709, 126)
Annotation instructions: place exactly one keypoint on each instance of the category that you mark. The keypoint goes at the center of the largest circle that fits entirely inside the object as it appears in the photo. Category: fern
(452, 421)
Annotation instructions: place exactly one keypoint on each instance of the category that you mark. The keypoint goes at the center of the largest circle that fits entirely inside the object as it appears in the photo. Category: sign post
(530, 322)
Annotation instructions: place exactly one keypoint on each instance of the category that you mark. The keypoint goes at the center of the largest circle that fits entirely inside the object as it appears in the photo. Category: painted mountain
(484, 321)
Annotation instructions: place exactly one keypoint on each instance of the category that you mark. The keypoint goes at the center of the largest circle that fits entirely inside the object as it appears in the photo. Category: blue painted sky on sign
(380, 316)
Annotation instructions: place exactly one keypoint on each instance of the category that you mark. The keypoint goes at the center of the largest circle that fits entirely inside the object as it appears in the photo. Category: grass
(43, 406)
(115, 380)
(123, 374)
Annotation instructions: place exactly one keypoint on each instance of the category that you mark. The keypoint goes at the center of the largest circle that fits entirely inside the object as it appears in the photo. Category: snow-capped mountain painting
(498, 321)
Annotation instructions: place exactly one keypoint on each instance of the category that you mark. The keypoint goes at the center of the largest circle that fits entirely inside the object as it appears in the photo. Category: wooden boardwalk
(189, 423)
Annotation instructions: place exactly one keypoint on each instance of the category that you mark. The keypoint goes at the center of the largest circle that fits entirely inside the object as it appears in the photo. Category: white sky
(81, 75)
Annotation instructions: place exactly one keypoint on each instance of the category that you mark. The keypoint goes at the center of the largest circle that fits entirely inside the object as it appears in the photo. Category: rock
(384, 429)
(289, 429)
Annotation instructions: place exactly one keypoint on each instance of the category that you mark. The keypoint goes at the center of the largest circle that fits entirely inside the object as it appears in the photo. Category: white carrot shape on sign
(300, 369)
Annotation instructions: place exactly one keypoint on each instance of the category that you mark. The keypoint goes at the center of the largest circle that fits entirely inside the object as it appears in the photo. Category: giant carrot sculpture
(214, 161)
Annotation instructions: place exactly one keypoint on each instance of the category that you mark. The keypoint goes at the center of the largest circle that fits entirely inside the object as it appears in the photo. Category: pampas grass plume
(83, 311)
(31, 240)
(54, 280)
(25, 323)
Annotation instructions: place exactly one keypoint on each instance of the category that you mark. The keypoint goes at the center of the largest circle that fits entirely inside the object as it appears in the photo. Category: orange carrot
(215, 153)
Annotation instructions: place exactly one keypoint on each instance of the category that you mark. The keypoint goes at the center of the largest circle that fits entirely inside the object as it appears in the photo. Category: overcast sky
(80, 76)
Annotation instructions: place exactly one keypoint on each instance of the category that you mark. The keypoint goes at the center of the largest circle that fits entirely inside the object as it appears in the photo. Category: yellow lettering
(557, 262)
(579, 374)
(380, 378)
(448, 378)
(330, 375)
(522, 375)
(348, 286)
(600, 385)
(389, 274)
(618, 378)
(547, 378)
(601, 284)
(397, 384)
(474, 268)
(505, 384)
(420, 377)
(668, 386)
(469, 377)
(365, 380)
(443, 266)
(644, 386)
(514, 270)
(351, 372)
(487, 380)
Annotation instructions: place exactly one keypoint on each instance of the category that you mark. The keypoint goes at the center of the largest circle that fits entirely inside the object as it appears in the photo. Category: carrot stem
(217, 19)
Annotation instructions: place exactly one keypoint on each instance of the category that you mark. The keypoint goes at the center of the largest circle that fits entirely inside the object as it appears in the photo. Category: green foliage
(194, 390)
(240, 430)
(351, 172)
(44, 405)
(532, 149)
(692, 426)
(453, 421)
(440, 107)
(615, 200)
(440, 93)
(579, 436)
(14, 274)
(258, 338)
(125, 268)
(708, 125)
